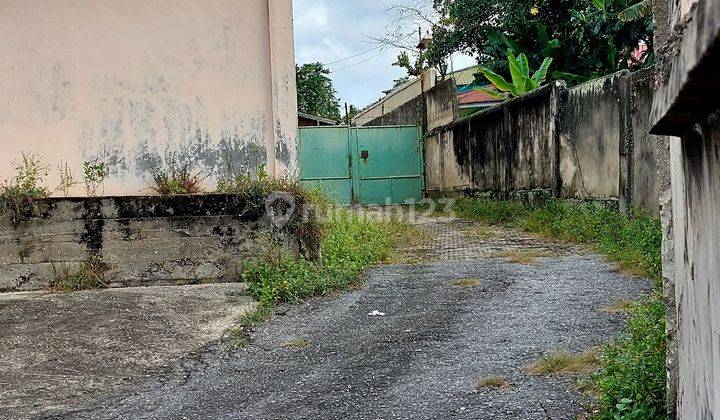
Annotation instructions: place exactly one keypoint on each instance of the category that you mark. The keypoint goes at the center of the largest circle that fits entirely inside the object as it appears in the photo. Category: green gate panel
(389, 164)
(324, 161)
(367, 165)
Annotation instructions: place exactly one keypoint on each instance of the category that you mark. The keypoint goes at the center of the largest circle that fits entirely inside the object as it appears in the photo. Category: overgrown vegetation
(177, 181)
(350, 244)
(90, 275)
(17, 193)
(631, 382)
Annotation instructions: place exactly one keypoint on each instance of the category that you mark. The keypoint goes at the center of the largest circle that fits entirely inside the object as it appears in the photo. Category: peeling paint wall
(139, 85)
(685, 107)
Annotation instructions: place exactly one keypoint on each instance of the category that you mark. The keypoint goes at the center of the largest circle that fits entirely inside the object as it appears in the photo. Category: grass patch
(297, 343)
(631, 381)
(466, 283)
(350, 244)
(631, 241)
(517, 256)
(496, 382)
(620, 307)
(564, 363)
(480, 232)
(89, 276)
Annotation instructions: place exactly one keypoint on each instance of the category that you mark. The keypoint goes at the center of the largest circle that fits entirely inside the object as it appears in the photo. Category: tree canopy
(585, 38)
(315, 91)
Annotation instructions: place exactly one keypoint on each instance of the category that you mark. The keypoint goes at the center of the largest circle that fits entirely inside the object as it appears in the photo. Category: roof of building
(464, 76)
(318, 119)
(476, 97)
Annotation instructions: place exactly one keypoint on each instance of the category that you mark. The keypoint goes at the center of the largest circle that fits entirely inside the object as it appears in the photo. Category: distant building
(402, 105)
(307, 120)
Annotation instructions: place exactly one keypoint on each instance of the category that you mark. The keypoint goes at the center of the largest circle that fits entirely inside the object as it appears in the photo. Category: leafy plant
(637, 11)
(522, 81)
(585, 39)
(182, 181)
(94, 173)
(17, 193)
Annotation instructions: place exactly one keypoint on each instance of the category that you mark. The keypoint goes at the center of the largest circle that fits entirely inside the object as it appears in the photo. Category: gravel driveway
(411, 343)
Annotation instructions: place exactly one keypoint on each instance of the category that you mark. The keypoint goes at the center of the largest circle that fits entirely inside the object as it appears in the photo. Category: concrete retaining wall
(138, 241)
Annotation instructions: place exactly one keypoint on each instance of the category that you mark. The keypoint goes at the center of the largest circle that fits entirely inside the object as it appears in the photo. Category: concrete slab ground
(62, 351)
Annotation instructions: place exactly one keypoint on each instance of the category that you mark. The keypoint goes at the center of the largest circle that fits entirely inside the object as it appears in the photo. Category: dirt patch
(60, 350)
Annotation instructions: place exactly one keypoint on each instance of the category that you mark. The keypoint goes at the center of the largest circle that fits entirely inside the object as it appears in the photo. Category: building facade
(140, 85)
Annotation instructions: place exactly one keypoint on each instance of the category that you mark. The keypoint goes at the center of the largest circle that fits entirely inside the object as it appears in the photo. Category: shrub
(16, 194)
(94, 173)
(182, 181)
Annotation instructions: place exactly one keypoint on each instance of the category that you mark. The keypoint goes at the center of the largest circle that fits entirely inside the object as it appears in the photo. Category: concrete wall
(138, 241)
(685, 107)
(409, 113)
(590, 142)
(505, 149)
(383, 109)
(137, 84)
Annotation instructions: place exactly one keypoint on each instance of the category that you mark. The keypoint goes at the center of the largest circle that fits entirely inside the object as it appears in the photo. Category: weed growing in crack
(497, 382)
(563, 363)
(90, 275)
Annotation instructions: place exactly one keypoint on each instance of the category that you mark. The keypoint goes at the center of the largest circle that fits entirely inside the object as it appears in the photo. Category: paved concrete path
(412, 342)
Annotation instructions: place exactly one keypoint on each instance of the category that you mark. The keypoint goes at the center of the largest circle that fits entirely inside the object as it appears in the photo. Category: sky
(332, 30)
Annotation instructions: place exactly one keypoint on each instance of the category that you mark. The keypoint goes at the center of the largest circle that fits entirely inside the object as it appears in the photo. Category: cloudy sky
(331, 30)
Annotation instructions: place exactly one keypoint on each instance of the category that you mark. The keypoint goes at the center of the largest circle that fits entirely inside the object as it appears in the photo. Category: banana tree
(636, 11)
(522, 82)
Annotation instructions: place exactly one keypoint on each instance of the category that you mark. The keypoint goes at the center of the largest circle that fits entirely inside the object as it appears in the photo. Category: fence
(590, 142)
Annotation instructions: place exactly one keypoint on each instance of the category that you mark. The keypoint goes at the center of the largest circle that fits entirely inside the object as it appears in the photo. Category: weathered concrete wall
(441, 104)
(590, 139)
(591, 142)
(138, 84)
(382, 110)
(644, 184)
(687, 44)
(139, 241)
(409, 113)
(506, 149)
(696, 228)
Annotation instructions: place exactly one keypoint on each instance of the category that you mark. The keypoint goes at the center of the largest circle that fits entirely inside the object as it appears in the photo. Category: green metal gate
(367, 165)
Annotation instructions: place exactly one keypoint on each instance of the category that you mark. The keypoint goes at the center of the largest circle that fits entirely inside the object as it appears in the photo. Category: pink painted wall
(138, 84)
